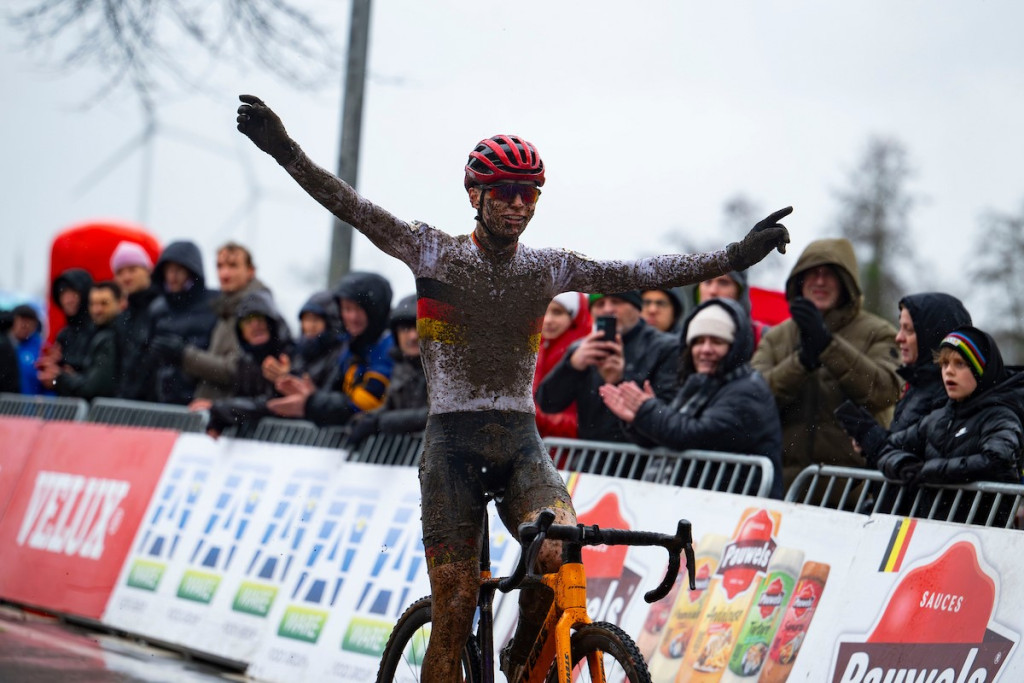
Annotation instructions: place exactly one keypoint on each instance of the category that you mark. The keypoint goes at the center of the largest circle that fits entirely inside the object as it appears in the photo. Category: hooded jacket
(405, 409)
(563, 423)
(28, 351)
(74, 338)
(858, 364)
(731, 410)
(363, 373)
(249, 379)
(317, 356)
(648, 354)
(934, 314)
(215, 366)
(187, 314)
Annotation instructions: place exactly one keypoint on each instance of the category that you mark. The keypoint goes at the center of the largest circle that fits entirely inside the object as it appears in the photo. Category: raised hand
(814, 334)
(260, 124)
(768, 234)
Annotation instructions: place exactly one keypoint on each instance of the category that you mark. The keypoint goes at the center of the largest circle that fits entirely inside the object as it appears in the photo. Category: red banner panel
(17, 434)
(73, 516)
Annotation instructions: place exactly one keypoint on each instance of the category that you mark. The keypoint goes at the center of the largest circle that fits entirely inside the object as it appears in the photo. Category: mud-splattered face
(504, 221)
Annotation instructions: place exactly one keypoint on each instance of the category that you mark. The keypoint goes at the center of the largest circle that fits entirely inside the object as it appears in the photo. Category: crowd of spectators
(925, 401)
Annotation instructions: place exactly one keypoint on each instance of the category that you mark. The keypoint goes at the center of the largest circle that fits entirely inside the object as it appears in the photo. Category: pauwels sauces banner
(71, 520)
(946, 613)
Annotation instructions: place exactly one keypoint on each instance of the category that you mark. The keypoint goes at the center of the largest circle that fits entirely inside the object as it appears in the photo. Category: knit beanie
(130, 254)
(632, 296)
(570, 301)
(972, 346)
(711, 321)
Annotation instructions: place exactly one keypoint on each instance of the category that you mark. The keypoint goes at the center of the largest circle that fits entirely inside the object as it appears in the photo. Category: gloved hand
(855, 419)
(814, 335)
(167, 348)
(910, 474)
(261, 125)
(768, 234)
(361, 426)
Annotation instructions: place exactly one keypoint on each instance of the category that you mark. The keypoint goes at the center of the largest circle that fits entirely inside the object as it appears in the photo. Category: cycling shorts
(469, 454)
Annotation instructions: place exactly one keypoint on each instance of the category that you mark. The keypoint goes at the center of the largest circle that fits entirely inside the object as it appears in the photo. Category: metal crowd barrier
(750, 475)
(389, 449)
(286, 431)
(44, 407)
(116, 411)
(981, 503)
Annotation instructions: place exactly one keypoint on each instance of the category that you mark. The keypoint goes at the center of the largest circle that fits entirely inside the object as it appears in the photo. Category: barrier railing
(44, 407)
(116, 411)
(983, 503)
(283, 430)
(750, 475)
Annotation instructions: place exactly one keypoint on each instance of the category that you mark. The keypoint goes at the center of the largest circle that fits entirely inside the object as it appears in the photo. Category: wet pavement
(39, 649)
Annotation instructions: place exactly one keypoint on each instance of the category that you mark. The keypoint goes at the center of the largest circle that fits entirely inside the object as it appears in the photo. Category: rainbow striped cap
(968, 349)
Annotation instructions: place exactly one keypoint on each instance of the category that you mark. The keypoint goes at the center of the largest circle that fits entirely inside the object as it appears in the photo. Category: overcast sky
(648, 119)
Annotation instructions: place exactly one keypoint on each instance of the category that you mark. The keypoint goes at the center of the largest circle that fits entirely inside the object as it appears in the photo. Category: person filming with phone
(622, 348)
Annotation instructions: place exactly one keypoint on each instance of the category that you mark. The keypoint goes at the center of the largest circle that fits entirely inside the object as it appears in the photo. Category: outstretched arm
(260, 124)
(674, 270)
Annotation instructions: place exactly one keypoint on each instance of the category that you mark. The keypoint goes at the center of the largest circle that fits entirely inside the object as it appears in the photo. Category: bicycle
(570, 646)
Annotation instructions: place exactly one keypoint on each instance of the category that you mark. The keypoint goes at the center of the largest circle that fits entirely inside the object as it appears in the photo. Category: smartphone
(606, 324)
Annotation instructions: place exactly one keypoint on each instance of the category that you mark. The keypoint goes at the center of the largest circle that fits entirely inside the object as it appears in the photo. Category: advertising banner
(931, 602)
(73, 515)
(17, 436)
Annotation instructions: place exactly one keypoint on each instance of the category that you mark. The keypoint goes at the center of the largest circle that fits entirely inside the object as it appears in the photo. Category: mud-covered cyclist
(481, 301)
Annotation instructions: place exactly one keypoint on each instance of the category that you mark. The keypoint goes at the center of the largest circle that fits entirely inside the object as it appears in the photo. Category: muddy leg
(454, 588)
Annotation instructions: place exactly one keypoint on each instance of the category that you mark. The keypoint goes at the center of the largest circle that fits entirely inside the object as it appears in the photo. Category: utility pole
(351, 130)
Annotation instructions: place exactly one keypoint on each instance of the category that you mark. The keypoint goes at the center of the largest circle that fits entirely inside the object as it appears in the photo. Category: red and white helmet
(504, 158)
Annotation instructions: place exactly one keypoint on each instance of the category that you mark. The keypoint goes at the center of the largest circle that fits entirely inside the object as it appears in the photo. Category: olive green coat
(858, 364)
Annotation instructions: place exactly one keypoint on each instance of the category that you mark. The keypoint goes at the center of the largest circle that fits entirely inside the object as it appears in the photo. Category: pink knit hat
(130, 254)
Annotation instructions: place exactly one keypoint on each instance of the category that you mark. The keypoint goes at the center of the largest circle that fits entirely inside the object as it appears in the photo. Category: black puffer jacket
(133, 326)
(405, 409)
(75, 337)
(977, 439)
(249, 380)
(649, 355)
(187, 314)
(732, 410)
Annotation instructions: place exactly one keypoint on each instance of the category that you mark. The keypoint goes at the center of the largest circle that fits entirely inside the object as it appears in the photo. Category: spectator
(262, 334)
(70, 292)
(27, 338)
(10, 373)
(829, 351)
(722, 404)
(405, 409)
(566, 320)
(925, 319)
(316, 352)
(361, 377)
(133, 269)
(639, 353)
(101, 373)
(661, 309)
(183, 316)
(732, 285)
(977, 435)
(215, 366)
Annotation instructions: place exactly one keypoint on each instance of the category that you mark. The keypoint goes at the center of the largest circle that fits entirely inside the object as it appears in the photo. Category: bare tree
(998, 271)
(874, 213)
(141, 44)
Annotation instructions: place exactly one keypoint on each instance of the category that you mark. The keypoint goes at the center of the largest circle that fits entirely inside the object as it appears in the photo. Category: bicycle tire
(621, 658)
(403, 654)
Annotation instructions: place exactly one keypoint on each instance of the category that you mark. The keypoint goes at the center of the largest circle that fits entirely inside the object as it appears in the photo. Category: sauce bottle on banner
(665, 661)
(743, 565)
(791, 633)
(755, 636)
(657, 618)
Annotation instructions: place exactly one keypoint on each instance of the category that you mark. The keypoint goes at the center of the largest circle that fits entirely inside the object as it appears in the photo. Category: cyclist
(481, 301)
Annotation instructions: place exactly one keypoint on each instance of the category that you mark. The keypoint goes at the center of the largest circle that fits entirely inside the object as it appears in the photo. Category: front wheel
(604, 645)
(403, 654)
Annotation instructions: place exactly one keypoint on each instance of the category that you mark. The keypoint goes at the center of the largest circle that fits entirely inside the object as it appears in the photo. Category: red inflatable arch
(89, 245)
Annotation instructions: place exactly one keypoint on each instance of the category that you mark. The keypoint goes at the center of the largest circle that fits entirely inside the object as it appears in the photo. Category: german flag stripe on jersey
(439, 320)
